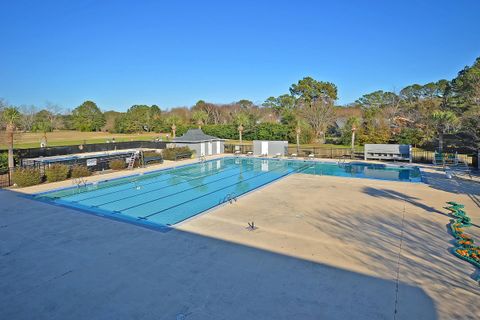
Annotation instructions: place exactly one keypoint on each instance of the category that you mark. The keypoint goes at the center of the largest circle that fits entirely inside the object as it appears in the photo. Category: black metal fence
(98, 163)
(418, 156)
(319, 152)
(82, 148)
(93, 164)
(5, 179)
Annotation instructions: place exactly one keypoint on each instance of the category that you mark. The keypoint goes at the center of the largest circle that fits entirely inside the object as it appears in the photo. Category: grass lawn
(65, 138)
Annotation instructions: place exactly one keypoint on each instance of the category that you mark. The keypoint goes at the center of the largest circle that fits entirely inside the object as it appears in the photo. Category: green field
(66, 138)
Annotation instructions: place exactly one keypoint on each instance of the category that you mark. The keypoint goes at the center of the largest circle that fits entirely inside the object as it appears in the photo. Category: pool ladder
(79, 182)
(230, 197)
(202, 159)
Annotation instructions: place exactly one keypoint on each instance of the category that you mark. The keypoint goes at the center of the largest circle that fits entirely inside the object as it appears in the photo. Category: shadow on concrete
(58, 263)
(396, 195)
(437, 180)
(424, 257)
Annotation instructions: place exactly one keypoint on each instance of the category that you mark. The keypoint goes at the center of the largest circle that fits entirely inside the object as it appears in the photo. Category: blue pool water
(167, 197)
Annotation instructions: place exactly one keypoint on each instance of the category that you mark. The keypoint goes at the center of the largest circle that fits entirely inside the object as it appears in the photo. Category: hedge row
(25, 177)
(172, 153)
(261, 131)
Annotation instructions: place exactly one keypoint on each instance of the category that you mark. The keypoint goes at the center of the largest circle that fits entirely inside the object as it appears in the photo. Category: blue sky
(173, 53)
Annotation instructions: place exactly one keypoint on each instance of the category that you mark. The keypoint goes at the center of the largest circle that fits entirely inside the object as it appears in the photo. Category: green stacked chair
(465, 248)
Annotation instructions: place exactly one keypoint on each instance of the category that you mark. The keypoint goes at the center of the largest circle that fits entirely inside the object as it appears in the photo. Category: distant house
(340, 123)
(203, 144)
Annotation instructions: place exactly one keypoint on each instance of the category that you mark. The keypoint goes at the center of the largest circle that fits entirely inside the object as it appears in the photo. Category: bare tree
(28, 116)
(391, 107)
(54, 115)
(320, 114)
(212, 110)
(183, 113)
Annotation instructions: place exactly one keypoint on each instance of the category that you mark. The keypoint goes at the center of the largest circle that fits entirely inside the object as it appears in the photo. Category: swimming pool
(167, 197)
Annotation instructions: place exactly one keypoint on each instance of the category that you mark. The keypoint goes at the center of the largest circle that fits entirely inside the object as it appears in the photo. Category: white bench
(388, 152)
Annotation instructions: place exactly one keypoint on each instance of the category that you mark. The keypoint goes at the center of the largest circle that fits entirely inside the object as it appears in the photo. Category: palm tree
(353, 123)
(10, 117)
(241, 119)
(443, 121)
(200, 117)
(297, 117)
(174, 130)
(172, 120)
(298, 130)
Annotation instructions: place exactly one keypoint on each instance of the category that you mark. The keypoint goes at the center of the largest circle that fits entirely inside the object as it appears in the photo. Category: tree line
(418, 114)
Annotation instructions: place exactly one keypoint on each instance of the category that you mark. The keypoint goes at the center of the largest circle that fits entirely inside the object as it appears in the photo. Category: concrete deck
(325, 248)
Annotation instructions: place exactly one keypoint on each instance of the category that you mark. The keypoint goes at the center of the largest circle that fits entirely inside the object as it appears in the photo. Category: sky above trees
(120, 53)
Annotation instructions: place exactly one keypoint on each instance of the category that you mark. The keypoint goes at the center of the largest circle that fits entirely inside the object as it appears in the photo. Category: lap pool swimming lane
(164, 198)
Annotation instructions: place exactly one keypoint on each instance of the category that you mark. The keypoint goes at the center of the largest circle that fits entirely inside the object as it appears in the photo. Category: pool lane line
(42, 195)
(130, 180)
(242, 194)
(153, 182)
(175, 193)
(115, 183)
(133, 180)
(109, 215)
(165, 187)
(209, 193)
(117, 216)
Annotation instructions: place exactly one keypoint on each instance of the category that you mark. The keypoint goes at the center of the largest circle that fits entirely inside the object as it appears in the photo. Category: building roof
(195, 135)
(340, 122)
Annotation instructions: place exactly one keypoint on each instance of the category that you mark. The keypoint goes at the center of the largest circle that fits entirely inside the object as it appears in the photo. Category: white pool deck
(325, 248)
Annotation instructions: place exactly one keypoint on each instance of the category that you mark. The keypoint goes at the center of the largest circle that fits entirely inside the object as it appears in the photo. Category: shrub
(151, 154)
(118, 164)
(171, 153)
(271, 131)
(267, 131)
(80, 171)
(410, 136)
(223, 131)
(26, 177)
(183, 128)
(3, 160)
(57, 172)
(306, 134)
